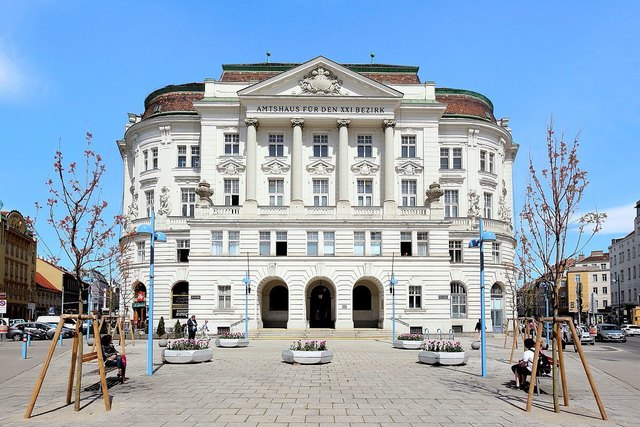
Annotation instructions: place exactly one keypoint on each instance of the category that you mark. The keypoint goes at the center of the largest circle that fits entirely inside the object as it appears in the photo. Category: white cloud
(11, 77)
(619, 220)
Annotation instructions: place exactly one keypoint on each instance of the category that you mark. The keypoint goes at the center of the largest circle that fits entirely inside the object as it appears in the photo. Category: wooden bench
(89, 357)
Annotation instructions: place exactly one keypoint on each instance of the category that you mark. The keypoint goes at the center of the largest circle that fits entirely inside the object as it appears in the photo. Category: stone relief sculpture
(504, 211)
(434, 193)
(133, 207)
(365, 168)
(165, 202)
(320, 82)
(320, 168)
(474, 204)
(204, 193)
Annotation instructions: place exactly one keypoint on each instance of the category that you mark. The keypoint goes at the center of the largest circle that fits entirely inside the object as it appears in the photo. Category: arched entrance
(321, 305)
(139, 304)
(274, 304)
(367, 305)
(497, 307)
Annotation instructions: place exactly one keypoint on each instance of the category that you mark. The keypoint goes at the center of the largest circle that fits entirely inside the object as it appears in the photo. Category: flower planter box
(443, 357)
(307, 357)
(232, 342)
(408, 345)
(187, 356)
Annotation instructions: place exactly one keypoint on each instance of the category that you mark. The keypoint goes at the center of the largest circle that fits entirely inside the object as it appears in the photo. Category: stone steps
(320, 333)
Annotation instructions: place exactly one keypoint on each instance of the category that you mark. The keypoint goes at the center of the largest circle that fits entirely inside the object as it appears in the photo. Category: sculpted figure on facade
(165, 202)
(504, 211)
(474, 204)
(204, 193)
(434, 193)
(320, 82)
(132, 213)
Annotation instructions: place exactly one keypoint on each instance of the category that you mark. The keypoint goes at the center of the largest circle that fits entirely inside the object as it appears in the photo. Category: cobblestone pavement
(368, 383)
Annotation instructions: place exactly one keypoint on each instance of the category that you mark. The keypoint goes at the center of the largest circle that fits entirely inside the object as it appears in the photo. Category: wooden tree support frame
(518, 333)
(117, 327)
(77, 358)
(556, 324)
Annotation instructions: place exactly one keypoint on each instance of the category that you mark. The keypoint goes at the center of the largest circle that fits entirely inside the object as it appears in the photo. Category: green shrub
(177, 329)
(161, 331)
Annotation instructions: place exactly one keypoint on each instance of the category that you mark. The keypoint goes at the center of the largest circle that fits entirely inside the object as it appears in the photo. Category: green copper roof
(449, 91)
(284, 66)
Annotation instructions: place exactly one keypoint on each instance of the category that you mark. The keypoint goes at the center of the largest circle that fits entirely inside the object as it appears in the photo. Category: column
(296, 162)
(389, 161)
(252, 148)
(343, 162)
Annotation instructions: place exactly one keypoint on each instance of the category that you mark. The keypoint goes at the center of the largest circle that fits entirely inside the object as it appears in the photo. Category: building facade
(588, 288)
(625, 273)
(320, 181)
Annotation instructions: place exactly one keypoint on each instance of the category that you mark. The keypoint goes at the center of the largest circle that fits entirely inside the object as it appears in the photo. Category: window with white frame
(376, 243)
(451, 203)
(281, 243)
(329, 243)
(320, 192)
(423, 243)
(458, 301)
(492, 162)
(365, 146)
(456, 158)
(451, 158)
(405, 243)
(149, 197)
(276, 145)
(188, 200)
(488, 205)
(145, 160)
(195, 156)
(231, 144)
(312, 243)
(487, 161)
(409, 190)
(276, 192)
(321, 145)
(216, 242)
(183, 248)
(224, 296)
(141, 255)
(265, 243)
(234, 243)
(495, 252)
(415, 296)
(182, 156)
(358, 243)
(232, 192)
(365, 192)
(455, 251)
(154, 158)
(408, 146)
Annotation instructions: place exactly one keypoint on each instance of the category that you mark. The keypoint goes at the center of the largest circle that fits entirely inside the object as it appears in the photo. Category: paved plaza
(368, 383)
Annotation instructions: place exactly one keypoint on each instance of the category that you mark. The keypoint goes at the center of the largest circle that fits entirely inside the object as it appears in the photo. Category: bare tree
(550, 211)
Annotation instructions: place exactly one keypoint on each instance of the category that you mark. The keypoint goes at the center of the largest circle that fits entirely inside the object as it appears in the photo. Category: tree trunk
(554, 350)
(76, 405)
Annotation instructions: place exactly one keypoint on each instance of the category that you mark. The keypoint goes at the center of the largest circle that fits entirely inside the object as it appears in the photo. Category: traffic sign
(3, 295)
(3, 306)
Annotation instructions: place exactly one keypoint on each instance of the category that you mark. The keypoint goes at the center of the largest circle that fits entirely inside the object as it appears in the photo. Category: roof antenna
(268, 56)
(373, 55)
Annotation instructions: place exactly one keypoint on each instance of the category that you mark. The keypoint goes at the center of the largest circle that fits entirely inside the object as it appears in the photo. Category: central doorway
(320, 308)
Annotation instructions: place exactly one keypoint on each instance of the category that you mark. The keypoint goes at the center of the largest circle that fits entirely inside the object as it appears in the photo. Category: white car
(631, 330)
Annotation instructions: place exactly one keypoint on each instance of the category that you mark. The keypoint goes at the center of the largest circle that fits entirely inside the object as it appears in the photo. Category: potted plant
(443, 352)
(408, 341)
(232, 339)
(161, 333)
(307, 353)
(187, 351)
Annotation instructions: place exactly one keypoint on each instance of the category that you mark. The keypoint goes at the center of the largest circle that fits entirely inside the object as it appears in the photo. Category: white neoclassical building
(320, 179)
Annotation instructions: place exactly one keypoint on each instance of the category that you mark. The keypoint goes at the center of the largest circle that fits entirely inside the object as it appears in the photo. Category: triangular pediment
(320, 167)
(365, 167)
(230, 167)
(320, 77)
(275, 167)
(409, 168)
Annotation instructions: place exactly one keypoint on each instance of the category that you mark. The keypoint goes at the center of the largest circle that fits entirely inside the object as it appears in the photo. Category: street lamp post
(617, 281)
(150, 230)
(485, 236)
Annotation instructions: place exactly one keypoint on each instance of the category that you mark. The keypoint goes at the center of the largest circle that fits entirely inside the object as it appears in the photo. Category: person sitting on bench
(112, 358)
(523, 368)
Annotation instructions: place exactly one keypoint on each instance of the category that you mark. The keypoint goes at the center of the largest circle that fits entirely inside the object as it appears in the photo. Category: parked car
(631, 330)
(610, 332)
(16, 321)
(37, 331)
(53, 321)
(585, 336)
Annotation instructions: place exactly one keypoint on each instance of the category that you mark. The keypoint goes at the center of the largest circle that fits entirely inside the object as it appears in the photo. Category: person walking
(479, 328)
(205, 329)
(192, 327)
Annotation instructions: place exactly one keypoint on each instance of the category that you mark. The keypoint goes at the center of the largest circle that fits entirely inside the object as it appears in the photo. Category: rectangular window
(234, 243)
(329, 243)
(365, 146)
(154, 158)
(184, 245)
(595, 290)
(495, 252)
(408, 146)
(216, 243)
(492, 162)
(604, 277)
(455, 251)
(281, 243)
(423, 243)
(595, 277)
(365, 192)
(456, 158)
(276, 145)
(231, 144)
(488, 205)
(188, 198)
(405, 243)
(320, 192)
(232, 192)
(483, 161)
(195, 156)
(182, 156)
(150, 201)
(409, 190)
(140, 251)
(605, 303)
(415, 296)
(265, 243)
(444, 158)
(276, 192)
(320, 145)
(312, 243)
(376, 243)
(450, 203)
(358, 243)
(224, 296)
(604, 290)
(145, 160)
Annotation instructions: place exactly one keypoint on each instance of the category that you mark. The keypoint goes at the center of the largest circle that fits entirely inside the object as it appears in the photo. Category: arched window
(361, 298)
(496, 291)
(279, 298)
(180, 300)
(458, 301)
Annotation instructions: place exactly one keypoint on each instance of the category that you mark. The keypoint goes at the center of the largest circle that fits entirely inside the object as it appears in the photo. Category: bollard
(24, 346)
(29, 340)
(60, 340)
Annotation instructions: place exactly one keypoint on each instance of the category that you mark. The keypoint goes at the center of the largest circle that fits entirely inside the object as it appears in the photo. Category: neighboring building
(17, 265)
(319, 180)
(49, 288)
(99, 294)
(589, 278)
(625, 273)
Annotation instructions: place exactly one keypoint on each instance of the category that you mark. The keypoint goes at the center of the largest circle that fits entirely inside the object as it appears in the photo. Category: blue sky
(75, 66)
